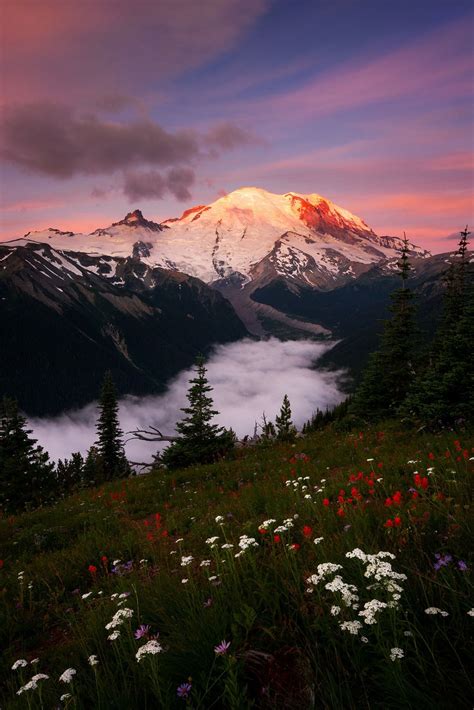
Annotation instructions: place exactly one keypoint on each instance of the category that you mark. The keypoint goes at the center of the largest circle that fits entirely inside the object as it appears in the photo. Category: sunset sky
(109, 105)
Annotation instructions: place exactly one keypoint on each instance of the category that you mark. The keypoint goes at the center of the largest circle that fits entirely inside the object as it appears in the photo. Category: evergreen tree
(93, 474)
(70, 474)
(200, 441)
(391, 369)
(109, 435)
(285, 428)
(26, 474)
(444, 392)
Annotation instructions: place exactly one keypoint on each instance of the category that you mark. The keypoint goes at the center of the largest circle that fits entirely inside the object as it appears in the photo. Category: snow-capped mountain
(249, 234)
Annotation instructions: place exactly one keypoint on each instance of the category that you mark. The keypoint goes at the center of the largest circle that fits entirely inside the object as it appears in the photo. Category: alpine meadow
(237, 423)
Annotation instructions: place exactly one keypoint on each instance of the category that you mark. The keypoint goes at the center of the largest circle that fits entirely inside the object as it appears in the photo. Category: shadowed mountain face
(65, 318)
(143, 298)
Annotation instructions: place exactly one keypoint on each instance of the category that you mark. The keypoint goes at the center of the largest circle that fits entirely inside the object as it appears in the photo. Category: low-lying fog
(249, 378)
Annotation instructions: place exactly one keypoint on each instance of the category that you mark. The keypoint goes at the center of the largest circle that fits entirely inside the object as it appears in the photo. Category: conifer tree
(113, 463)
(26, 474)
(70, 474)
(92, 471)
(444, 392)
(285, 428)
(199, 441)
(391, 369)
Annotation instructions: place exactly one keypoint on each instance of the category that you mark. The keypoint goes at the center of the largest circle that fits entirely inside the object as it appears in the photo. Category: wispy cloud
(248, 377)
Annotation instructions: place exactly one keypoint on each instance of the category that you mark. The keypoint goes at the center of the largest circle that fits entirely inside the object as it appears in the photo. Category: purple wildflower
(142, 631)
(183, 690)
(442, 561)
(462, 565)
(222, 648)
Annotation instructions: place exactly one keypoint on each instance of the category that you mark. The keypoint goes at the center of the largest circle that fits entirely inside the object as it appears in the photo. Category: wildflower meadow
(334, 572)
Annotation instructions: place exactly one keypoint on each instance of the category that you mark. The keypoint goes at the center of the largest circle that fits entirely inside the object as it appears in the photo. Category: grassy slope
(287, 649)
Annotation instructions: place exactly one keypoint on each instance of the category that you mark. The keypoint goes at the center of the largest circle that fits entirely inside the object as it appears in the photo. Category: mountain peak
(136, 219)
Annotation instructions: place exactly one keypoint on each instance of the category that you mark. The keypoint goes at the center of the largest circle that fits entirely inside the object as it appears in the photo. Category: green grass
(287, 650)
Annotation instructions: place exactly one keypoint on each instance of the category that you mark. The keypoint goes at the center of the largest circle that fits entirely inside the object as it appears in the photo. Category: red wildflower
(295, 546)
(326, 501)
(388, 502)
(262, 531)
(341, 512)
(104, 559)
(431, 456)
(388, 523)
(397, 498)
(307, 531)
(276, 538)
(149, 536)
(380, 465)
(397, 521)
(92, 569)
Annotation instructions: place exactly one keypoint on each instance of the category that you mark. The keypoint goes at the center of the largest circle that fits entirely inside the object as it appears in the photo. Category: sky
(112, 105)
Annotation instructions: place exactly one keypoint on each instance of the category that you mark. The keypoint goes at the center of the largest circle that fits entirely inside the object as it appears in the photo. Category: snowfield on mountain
(245, 234)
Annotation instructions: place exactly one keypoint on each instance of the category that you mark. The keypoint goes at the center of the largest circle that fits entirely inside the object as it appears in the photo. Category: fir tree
(200, 441)
(285, 428)
(444, 392)
(92, 473)
(109, 435)
(70, 474)
(391, 369)
(26, 474)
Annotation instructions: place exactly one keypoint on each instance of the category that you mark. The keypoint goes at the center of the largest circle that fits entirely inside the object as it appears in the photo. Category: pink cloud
(52, 46)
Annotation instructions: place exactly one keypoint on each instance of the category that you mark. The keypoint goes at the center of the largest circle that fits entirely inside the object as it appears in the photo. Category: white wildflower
(21, 663)
(470, 612)
(317, 540)
(185, 580)
(335, 610)
(245, 542)
(396, 654)
(93, 660)
(433, 610)
(119, 617)
(31, 685)
(186, 560)
(64, 697)
(68, 675)
(87, 595)
(205, 563)
(212, 540)
(114, 635)
(353, 627)
(219, 519)
(149, 649)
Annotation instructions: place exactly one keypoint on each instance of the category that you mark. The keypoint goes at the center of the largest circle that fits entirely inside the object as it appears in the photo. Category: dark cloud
(228, 136)
(53, 140)
(152, 184)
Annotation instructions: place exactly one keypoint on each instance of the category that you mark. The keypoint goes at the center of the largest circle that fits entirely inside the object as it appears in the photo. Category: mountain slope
(245, 241)
(305, 237)
(67, 317)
